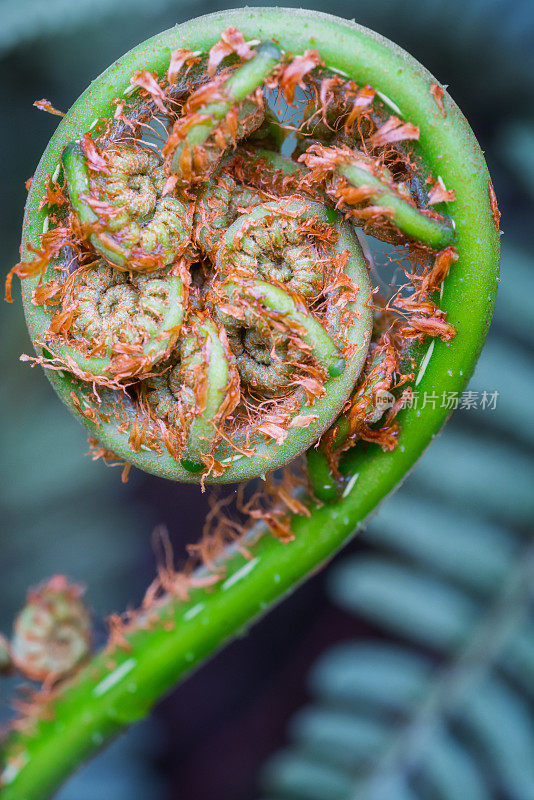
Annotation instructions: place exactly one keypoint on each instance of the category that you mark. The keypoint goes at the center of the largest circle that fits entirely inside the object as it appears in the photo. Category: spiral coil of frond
(169, 209)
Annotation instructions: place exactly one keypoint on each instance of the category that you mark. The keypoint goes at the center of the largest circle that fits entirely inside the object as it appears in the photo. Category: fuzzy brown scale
(255, 170)
(342, 114)
(339, 111)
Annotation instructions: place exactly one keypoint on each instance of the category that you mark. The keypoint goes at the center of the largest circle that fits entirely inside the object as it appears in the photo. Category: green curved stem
(202, 429)
(283, 307)
(103, 698)
(77, 178)
(236, 89)
(405, 216)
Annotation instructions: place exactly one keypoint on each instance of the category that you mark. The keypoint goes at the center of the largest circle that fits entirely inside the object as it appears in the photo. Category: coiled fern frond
(250, 343)
(180, 622)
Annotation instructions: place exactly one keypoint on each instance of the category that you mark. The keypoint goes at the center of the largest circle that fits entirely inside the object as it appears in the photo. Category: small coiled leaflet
(116, 319)
(272, 241)
(52, 633)
(217, 207)
(256, 303)
(131, 224)
(282, 265)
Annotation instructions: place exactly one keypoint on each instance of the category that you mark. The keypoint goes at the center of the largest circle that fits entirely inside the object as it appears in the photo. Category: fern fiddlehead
(128, 183)
(165, 643)
(113, 323)
(52, 633)
(217, 207)
(300, 309)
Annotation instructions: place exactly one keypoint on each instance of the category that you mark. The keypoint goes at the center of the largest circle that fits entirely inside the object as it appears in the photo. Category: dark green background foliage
(423, 630)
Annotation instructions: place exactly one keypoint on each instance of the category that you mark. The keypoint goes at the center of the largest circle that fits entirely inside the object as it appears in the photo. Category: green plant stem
(283, 307)
(202, 429)
(406, 217)
(103, 698)
(236, 89)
